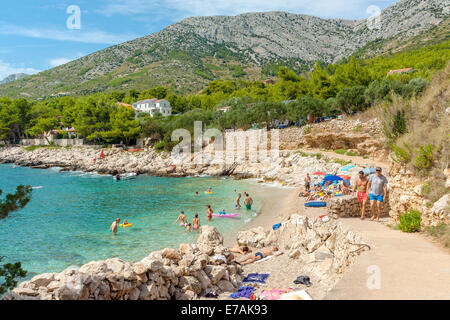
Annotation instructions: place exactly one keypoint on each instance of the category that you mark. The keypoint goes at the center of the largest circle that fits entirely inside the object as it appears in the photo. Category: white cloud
(58, 61)
(63, 60)
(66, 35)
(176, 9)
(7, 69)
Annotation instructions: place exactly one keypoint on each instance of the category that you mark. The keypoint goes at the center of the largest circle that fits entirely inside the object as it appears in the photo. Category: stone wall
(348, 206)
(406, 193)
(183, 274)
(362, 137)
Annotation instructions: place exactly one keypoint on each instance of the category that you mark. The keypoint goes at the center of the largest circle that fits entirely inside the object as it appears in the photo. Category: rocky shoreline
(289, 168)
(321, 248)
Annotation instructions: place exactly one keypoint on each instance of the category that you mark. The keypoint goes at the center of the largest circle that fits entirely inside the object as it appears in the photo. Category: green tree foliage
(123, 126)
(15, 201)
(350, 100)
(9, 272)
(351, 85)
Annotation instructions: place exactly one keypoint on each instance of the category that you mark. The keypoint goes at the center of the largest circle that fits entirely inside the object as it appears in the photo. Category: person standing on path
(377, 192)
(362, 183)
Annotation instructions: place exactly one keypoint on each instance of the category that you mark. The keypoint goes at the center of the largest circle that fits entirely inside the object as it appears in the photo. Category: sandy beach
(278, 204)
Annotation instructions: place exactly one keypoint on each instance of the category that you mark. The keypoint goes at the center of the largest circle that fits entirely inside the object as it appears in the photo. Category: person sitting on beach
(241, 250)
(248, 202)
(188, 227)
(209, 212)
(114, 225)
(182, 219)
(196, 222)
(261, 255)
(238, 202)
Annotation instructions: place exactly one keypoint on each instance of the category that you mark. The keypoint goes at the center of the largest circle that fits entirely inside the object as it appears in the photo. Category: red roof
(401, 70)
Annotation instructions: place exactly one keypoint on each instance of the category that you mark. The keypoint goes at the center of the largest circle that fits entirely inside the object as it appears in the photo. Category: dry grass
(427, 122)
(441, 233)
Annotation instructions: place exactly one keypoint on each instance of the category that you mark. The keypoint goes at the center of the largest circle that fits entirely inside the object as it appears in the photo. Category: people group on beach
(371, 188)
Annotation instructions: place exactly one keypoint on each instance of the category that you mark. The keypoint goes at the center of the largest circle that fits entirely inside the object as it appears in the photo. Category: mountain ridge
(188, 54)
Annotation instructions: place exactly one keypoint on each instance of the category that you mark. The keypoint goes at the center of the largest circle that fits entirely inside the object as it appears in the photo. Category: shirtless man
(248, 202)
(182, 219)
(114, 225)
(238, 202)
(209, 212)
(307, 182)
(241, 250)
(362, 195)
(260, 255)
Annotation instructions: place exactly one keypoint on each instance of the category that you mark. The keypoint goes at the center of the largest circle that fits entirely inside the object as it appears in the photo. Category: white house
(151, 106)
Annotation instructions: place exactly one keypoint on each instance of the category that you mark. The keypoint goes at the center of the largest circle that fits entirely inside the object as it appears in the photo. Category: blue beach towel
(276, 226)
(243, 292)
(256, 277)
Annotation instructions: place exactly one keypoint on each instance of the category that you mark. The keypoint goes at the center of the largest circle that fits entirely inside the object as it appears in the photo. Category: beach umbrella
(344, 177)
(347, 167)
(332, 178)
(320, 173)
(368, 171)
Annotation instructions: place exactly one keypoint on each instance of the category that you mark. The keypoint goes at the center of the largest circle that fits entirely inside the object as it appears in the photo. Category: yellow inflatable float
(126, 225)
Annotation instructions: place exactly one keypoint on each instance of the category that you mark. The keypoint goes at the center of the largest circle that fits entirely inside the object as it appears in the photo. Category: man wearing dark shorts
(361, 183)
(377, 192)
(307, 182)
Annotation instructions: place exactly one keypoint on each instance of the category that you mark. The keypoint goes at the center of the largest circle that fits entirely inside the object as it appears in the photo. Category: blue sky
(34, 35)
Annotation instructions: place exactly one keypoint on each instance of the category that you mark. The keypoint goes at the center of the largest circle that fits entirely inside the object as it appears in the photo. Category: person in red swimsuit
(362, 195)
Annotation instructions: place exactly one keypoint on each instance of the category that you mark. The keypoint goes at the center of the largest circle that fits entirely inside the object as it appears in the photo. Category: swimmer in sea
(209, 212)
(182, 219)
(196, 222)
(248, 202)
(238, 202)
(114, 225)
(209, 190)
(188, 227)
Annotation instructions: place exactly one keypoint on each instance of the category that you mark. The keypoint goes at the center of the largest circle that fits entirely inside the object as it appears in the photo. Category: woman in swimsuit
(209, 212)
(196, 222)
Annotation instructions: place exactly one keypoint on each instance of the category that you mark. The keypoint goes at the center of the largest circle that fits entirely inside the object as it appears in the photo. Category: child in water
(188, 227)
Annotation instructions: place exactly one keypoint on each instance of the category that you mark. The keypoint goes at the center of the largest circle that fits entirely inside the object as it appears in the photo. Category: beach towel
(264, 259)
(296, 295)
(243, 292)
(256, 277)
(220, 257)
(272, 294)
(276, 226)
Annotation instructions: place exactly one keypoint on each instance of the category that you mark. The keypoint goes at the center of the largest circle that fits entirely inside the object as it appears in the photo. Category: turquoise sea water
(66, 223)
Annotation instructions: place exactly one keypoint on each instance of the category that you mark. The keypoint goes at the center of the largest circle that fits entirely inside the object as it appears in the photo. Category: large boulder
(210, 236)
